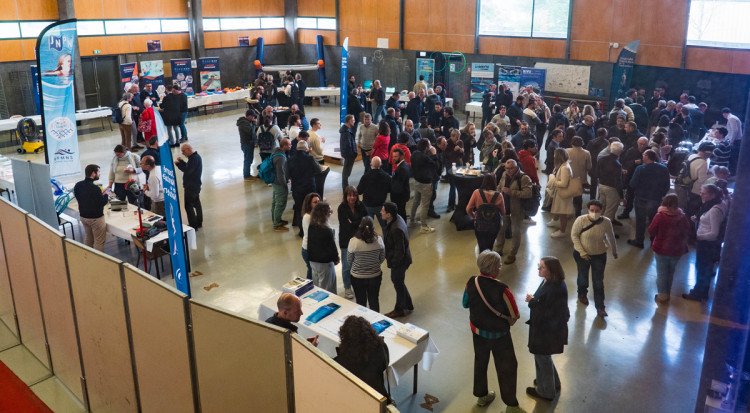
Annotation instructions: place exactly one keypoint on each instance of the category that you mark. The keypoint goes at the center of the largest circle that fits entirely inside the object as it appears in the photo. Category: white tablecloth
(322, 91)
(85, 114)
(473, 107)
(123, 224)
(195, 101)
(403, 353)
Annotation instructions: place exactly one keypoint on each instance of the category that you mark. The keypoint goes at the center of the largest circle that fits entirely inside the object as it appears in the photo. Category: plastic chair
(151, 256)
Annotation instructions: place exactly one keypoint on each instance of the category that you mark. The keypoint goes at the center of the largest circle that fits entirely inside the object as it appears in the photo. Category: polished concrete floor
(641, 358)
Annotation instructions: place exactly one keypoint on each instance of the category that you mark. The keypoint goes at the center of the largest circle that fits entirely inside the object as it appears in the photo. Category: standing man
(421, 85)
(191, 182)
(414, 109)
(91, 203)
(148, 92)
(650, 183)
(515, 186)
(302, 170)
(280, 190)
(689, 194)
(374, 186)
(377, 95)
(154, 187)
(182, 98)
(348, 149)
(136, 115)
(398, 257)
(609, 173)
(488, 98)
(734, 127)
(424, 163)
(366, 135)
(302, 86)
(632, 159)
(247, 125)
(400, 191)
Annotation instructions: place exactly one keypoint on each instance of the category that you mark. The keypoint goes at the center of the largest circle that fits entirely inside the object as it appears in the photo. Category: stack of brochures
(298, 286)
(412, 333)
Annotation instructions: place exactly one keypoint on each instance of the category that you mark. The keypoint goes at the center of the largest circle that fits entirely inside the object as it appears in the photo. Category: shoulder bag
(510, 320)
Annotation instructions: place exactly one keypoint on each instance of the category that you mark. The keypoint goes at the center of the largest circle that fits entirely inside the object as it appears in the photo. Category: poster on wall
(152, 71)
(509, 76)
(153, 45)
(426, 68)
(622, 72)
(55, 49)
(535, 78)
(482, 76)
(128, 75)
(182, 74)
(244, 41)
(210, 74)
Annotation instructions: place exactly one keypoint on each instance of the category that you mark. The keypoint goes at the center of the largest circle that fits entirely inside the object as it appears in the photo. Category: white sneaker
(557, 234)
(426, 229)
(348, 293)
(553, 223)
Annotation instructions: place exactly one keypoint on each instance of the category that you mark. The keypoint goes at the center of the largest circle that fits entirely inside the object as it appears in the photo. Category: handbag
(510, 320)
(144, 126)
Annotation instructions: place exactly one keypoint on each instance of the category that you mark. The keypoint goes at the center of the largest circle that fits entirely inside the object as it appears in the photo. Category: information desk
(403, 353)
(197, 100)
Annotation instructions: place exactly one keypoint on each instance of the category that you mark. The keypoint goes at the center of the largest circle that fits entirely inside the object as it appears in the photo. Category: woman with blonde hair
(562, 192)
(468, 137)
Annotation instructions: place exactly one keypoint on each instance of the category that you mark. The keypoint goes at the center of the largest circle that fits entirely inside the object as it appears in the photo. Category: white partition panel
(241, 363)
(160, 343)
(102, 327)
(23, 279)
(54, 291)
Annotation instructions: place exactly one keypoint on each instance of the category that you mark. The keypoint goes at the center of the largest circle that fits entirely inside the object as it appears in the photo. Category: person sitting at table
(290, 311)
(123, 168)
(154, 188)
(91, 203)
(321, 248)
(363, 352)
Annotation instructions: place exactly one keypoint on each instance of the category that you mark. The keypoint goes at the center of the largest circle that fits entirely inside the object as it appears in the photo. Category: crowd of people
(637, 156)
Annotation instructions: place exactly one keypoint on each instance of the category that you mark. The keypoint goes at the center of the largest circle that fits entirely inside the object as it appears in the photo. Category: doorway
(101, 80)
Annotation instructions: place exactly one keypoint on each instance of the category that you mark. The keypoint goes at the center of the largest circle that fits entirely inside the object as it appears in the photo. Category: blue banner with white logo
(55, 49)
(182, 73)
(35, 87)
(535, 78)
(128, 75)
(172, 209)
(344, 78)
(622, 72)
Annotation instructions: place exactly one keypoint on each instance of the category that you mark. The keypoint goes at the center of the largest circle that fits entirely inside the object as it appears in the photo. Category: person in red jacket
(669, 235)
(146, 124)
(380, 147)
(528, 163)
(403, 139)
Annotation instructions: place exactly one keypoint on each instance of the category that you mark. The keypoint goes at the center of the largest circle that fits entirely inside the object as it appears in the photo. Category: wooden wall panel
(370, 21)
(231, 8)
(316, 8)
(29, 49)
(118, 45)
(656, 30)
(494, 45)
(664, 56)
(463, 44)
(114, 9)
(138, 42)
(625, 21)
(211, 8)
(12, 50)
(87, 45)
(461, 20)
(415, 17)
(271, 8)
(175, 41)
(550, 48)
(89, 9)
(437, 25)
(437, 17)
(519, 46)
(306, 36)
(212, 40)
(173, 9)
(741, 62)
(596, 51)
(36, 9)
(712, 60)
(136, 9)
(586, 28)
(8, 10)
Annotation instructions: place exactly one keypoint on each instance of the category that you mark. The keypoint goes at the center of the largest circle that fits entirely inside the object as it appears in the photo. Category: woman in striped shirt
(365, 254)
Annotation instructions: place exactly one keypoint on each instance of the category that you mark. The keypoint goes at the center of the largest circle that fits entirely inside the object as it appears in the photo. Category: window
(31, 30)
(132, 26)
(272, 23)
(327, 24)
(316, 23)
(90, 27)
(245, 23)
(719, 23)
(211, 25)
(524, 18)
(174, 26)
(9, 30)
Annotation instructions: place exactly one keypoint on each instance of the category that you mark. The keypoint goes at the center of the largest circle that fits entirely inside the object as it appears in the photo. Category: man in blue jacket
(348, 149)
(650, 183)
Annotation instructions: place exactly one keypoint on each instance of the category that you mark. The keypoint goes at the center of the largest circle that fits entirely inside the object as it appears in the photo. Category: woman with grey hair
(492, 310)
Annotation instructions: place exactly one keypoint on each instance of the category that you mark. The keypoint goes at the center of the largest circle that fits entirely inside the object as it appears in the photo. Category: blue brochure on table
(322, 312)
(381, 325)
(318, 296)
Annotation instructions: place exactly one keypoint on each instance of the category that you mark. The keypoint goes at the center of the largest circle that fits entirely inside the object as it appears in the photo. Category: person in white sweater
(711, 220)
(366, 254)
(592, 235)
(124, 167)
(154, 187)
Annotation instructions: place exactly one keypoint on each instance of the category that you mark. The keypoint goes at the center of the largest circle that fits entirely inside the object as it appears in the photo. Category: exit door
(101, 81)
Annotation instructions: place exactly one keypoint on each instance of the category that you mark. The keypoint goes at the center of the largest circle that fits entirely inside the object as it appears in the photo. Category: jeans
(665, 268)
(183, 129)
(96, 232)
(249, 152)
(346, 172)
(611, 200)
(422, 192)
(307, 262)
(629, 196)
(365, 158)
(485, 240)
(403, 299)
(193, 209)
(547, 379)
(453, 191)
(596, 263)
(367, 290)
(173, 137)
(707, 254)
(346, 270)
(379, 112)
(375, 212)
(486, 116)
(324, 275)
(645, 209)
(280, 193)
(506, 366)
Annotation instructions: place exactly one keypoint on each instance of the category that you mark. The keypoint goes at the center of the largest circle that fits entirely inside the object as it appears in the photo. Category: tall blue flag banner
(623, 71)
(55, 49)
(344, 78)
(426, 68)
(172, 209)
(35, 87)
(152, 71)
(128, 75)
(482, 76)
(182, 73)
(535, 78)
(210, 74)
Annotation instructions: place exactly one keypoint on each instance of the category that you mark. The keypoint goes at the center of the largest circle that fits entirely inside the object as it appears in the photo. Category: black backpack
(530, 205)
(488, 215)
(683, 178)
(117, 113)
(265, 139)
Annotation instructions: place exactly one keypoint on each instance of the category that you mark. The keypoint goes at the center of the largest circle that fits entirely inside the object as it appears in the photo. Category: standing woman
(669, 234)
(468, 137)
(308, 204)
(365, 254)
(491, 202)
(709, 239)
(380, 146)
(147, 124)
(548, 327)
(492, 310)
(454, 152)
(350, 214)
(562, 201)
(321, 248)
